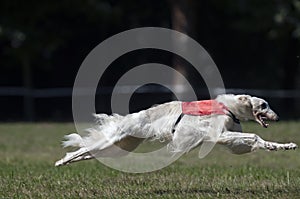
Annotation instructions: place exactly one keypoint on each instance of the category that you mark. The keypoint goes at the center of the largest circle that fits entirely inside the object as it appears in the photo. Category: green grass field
(28, 153)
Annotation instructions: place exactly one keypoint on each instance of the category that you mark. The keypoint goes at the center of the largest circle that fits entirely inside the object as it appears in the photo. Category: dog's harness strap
(176, 123)
(233, 117)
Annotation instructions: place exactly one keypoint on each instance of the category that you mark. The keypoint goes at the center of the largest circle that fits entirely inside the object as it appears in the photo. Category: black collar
(233, 117)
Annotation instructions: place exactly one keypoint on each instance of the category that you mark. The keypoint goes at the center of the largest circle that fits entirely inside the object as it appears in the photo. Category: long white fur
(73, 140)
(157, 122)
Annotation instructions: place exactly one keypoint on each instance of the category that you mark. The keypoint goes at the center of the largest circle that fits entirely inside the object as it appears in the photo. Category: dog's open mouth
(261, 119)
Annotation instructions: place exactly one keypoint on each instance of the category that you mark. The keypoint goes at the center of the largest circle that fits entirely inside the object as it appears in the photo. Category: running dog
(185, 125)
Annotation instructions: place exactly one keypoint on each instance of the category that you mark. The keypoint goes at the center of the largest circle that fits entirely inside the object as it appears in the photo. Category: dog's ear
(245, 99)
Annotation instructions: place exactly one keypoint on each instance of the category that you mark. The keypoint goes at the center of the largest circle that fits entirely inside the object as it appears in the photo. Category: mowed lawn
(28, 153)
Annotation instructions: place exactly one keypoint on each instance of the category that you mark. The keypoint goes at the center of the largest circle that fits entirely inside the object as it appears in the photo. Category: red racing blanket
(203, 107)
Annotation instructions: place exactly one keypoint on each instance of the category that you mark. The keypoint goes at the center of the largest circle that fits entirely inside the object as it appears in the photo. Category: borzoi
(184, 124)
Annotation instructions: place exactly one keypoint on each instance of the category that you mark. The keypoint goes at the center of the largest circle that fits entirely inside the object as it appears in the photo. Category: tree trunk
(28, 100)
(182, 22)
(291, 66)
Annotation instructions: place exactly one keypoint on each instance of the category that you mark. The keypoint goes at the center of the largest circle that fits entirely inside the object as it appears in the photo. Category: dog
(185, 125)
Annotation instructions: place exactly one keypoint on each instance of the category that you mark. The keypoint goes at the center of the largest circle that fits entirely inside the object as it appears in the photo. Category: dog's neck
(240, 111)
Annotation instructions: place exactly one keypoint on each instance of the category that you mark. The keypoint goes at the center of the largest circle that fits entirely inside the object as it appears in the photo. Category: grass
(28, 153)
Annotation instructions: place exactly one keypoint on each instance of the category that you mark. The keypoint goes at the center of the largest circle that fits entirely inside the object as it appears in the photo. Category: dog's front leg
(240, 143)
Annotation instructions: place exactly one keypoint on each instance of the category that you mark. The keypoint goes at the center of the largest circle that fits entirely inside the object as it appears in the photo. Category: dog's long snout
(272, 116)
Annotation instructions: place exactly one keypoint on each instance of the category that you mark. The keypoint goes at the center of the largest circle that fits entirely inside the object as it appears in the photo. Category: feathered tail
(73, 140)
(100, 137)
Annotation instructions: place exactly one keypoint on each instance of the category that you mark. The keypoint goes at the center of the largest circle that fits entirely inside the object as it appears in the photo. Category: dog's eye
(263, 106)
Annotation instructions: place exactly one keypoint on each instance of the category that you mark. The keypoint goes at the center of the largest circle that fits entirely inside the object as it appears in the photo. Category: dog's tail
(97, 142)
(106, 124)
(72, 140)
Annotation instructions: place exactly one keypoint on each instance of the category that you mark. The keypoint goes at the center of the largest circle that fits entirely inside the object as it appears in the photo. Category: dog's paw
(59, 163)
(291, 146)
(271, 146)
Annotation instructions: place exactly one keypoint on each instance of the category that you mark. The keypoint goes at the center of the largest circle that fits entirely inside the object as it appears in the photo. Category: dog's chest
(230, 125)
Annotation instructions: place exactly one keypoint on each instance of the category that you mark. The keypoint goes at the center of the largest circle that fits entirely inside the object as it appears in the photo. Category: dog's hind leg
(86, 156)
(71, 156)
(83, 152)
(240, 143)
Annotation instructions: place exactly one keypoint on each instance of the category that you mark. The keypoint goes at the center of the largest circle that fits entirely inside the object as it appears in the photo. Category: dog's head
(262, 111)
(258, 109)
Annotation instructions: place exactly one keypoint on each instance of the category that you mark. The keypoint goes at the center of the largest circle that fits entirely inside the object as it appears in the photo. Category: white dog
(184, 124)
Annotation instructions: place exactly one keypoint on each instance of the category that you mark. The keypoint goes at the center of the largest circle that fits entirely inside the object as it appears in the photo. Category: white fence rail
(30, 95)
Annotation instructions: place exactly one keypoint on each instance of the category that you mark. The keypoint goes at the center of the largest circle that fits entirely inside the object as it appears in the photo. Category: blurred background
(255, 45)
